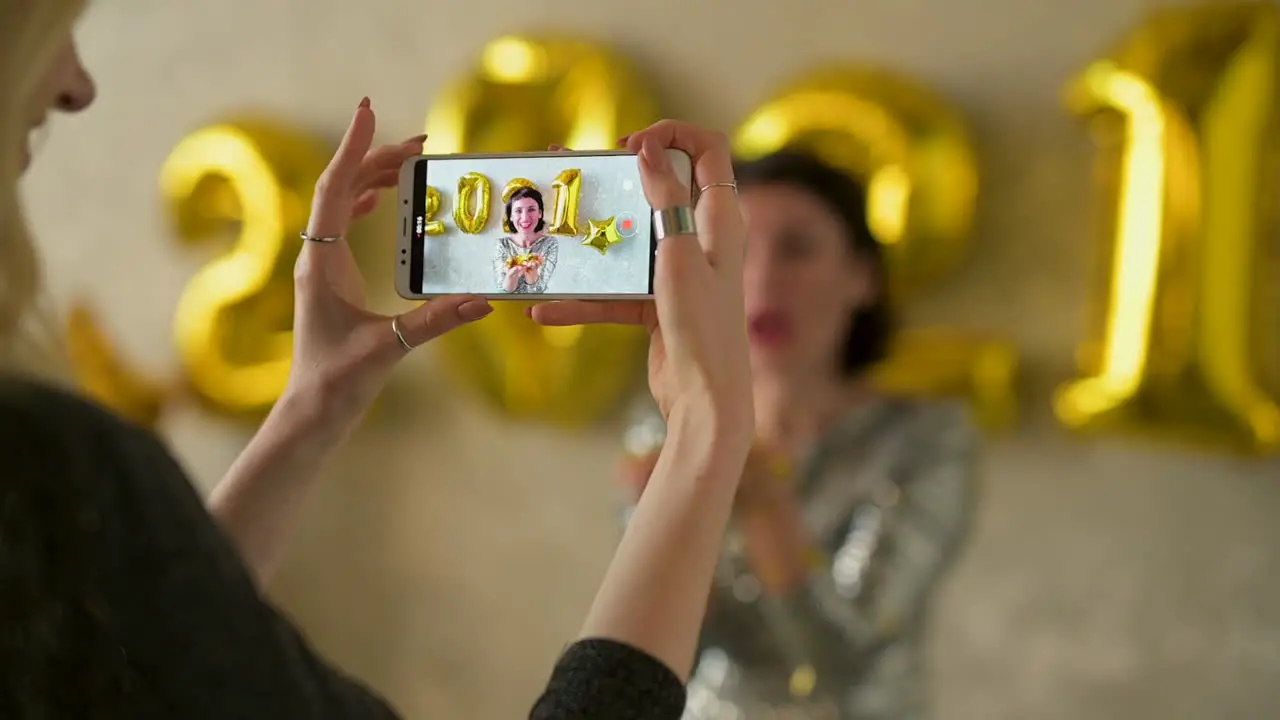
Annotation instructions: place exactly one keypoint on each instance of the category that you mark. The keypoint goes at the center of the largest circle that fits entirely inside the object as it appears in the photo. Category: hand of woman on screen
(342, 351)
(698, 346)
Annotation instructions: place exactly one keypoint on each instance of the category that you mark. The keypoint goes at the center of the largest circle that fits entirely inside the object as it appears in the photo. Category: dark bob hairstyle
(524, 192)
(871, 328)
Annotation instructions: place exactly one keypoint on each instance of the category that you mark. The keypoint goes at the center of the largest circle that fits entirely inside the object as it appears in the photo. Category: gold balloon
(587, 98)
(568, 187)
(1184, 342)
(471, 207)
(251, 183)
(106, 377)
(507, 192)
(431, 226)
(602, 235)
(914, 155)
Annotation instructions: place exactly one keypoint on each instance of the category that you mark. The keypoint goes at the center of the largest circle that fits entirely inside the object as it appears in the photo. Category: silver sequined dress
(547, 246)
(886, 497)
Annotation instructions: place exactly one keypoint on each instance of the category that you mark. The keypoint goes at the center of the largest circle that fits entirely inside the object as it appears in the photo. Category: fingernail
(416, 139)
(364, 103)
(655, 156)
(474, 309)
(528, 312)
(622, 142)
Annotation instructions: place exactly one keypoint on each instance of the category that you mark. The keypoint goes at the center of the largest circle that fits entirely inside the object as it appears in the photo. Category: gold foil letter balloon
(913, 154)
(526, 94)
(1184, 341)
(471, 211)
(568, 187)
(250, 183)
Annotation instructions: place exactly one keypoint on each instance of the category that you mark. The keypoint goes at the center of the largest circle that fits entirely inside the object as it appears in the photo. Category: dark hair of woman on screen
(525, 259)
(853, 503)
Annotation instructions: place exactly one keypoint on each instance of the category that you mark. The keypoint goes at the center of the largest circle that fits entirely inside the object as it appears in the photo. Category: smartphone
(551, 225)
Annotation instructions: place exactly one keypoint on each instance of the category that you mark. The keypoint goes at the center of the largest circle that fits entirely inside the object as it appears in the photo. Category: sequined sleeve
(882, 564)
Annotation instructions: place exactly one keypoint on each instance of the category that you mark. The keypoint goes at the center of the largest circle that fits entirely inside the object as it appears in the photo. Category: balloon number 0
(1185, 340)
(474, 198)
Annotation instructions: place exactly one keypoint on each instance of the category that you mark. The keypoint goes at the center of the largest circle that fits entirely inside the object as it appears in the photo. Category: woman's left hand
(343, 352)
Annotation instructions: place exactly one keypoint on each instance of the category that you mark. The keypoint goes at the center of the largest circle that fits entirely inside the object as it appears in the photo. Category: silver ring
(673, 221)
(309, 238)
(395, 328)
(731, 185)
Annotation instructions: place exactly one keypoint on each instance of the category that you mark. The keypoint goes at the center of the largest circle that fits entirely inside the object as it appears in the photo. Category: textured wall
(1105, 581)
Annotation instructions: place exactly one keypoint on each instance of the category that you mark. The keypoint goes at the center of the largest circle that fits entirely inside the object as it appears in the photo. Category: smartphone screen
(566, 225)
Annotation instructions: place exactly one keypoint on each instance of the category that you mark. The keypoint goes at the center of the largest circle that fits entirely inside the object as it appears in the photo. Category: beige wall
(1107, 580)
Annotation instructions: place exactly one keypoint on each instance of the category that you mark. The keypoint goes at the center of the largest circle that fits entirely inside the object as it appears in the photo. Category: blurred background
(453, 547)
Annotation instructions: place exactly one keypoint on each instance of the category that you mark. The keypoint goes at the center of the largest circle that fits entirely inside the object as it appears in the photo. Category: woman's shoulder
(933, 430)
(935, 415)
(916, 425)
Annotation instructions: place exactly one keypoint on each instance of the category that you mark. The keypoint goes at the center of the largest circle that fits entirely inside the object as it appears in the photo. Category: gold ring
(395, 328)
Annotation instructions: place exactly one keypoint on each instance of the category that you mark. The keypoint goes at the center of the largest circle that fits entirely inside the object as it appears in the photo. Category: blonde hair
(31, 36)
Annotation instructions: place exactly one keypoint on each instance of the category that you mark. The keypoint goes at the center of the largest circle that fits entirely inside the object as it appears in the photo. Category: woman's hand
(343, 352)
(654, 595)
(698, 345)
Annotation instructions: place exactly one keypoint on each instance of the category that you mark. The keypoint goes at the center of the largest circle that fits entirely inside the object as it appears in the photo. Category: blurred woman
(853, 503)
(123, 597)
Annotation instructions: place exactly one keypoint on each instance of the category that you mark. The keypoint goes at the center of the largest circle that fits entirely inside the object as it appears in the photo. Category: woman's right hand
(698, 362)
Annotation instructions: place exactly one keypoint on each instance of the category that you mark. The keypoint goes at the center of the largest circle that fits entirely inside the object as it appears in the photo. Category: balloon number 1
(1185, 340)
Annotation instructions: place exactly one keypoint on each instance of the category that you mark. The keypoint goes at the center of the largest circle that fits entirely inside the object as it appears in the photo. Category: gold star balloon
(602, 235)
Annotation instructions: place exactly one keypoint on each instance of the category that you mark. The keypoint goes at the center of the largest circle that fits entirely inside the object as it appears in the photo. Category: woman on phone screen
(525, 260)
(853, 502)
